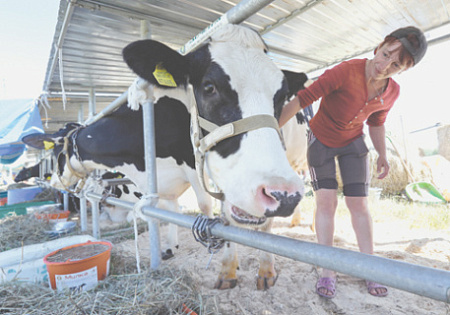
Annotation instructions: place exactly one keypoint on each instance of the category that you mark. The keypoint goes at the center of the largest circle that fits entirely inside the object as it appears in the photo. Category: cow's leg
(267, 276)
(204, 200)
(172, 229)
(296, 217)
(227, 277)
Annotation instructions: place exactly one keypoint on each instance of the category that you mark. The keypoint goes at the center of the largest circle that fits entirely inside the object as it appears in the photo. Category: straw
(162, 291)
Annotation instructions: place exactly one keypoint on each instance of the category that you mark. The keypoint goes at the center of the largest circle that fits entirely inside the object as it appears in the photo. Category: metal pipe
(292, 15)
(424, 281)
(439, 40)
(81, 113)
(150, 166)
(95, 206)
(122, 99)
(62, 34)
(66, 200)
(429, 282)
(95, 209)
(235, 15)
(83, 214)
(148, 116)
(117, 181)
(92, 105)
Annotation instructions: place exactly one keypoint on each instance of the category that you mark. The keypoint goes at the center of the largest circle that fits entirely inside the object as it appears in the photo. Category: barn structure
(86, 64)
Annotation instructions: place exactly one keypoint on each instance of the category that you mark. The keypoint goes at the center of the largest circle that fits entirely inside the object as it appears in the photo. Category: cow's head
(63, 177)
(233, 78)
(27, 173)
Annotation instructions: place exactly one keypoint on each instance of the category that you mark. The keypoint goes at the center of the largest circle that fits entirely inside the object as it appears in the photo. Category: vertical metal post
(95, 209)
(81, 113)
(66, 200)
(83, 201)
(48, 166)
(150, 166)
(95, 205)
(83, 214)
(148, 116)
(92, 108)
(42, 164)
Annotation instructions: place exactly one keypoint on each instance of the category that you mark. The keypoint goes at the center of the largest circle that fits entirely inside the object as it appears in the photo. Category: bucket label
(77, 282)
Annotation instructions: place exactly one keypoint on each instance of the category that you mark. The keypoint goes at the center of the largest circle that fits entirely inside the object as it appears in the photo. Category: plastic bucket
(55, 217)
(22, 194)
(50, 213)
(78, 267)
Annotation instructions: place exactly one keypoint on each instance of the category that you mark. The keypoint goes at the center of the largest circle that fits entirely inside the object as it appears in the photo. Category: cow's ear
(40, 141)
(144, 56)
(296, 81)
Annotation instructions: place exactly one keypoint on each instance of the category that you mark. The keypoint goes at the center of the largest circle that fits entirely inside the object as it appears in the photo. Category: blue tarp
(18, 118)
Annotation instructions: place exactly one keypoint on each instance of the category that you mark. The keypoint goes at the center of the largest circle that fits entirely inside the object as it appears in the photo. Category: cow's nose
(279, 201)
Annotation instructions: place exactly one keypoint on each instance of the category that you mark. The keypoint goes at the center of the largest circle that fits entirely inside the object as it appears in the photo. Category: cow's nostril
(267, 198)
(277, 201)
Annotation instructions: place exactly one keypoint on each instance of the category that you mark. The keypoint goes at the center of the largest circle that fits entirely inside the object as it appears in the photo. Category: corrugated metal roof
(302, 35)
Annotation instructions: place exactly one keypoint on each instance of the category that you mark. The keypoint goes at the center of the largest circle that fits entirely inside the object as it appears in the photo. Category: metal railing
(424, 281)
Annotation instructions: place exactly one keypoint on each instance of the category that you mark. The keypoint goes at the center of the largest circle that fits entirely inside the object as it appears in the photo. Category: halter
(82, 178)
(202, 144)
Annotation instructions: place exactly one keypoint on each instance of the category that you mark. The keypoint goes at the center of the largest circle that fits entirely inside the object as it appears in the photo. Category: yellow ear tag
(163, 76)
(48, 145)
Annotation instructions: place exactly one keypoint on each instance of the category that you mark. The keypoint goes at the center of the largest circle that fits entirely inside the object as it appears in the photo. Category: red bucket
(78, 267)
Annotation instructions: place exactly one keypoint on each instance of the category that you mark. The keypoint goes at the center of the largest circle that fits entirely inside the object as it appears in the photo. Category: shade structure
(19, 118)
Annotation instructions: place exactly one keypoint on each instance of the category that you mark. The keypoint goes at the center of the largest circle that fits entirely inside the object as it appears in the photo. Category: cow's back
(118, 138)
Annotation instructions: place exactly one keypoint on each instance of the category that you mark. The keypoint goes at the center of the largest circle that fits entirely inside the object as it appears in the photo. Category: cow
(29, 172)
(230, 77)
(99, 184)
(33, 171)
(295, 139)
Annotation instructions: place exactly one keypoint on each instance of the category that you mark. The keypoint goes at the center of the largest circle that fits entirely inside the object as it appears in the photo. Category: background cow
(231, 78)
(29, 172)
(295, 139)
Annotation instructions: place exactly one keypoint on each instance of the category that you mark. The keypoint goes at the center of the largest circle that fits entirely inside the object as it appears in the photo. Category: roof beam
(292, 15)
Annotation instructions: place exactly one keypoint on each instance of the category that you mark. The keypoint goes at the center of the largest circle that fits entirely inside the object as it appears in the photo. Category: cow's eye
(209, 89)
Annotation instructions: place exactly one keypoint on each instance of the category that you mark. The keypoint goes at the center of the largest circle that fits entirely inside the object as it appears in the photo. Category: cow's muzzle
(286, 204)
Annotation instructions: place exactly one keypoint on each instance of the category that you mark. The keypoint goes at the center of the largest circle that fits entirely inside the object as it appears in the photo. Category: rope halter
(202, 144)
(65, 151)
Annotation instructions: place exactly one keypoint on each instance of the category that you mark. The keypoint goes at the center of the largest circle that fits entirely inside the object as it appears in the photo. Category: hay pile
(21, 230)
(443, 134)
(397, 179)
(162, 291)
(439, 169)
(394, 183)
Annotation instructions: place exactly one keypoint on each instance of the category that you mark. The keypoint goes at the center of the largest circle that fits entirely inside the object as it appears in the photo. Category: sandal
(373, 287)
(328, 284)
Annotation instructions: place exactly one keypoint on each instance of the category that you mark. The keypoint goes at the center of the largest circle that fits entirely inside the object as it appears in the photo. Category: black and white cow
(230, 77)
(126, 192)
(29, 172)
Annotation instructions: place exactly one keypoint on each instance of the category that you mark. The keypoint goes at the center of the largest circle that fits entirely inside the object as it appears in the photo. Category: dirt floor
(294, 292)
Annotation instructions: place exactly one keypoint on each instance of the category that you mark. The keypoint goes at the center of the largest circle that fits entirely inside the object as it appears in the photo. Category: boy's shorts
(353, 164)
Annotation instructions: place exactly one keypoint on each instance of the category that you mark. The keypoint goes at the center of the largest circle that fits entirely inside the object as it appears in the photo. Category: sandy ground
(294, 292)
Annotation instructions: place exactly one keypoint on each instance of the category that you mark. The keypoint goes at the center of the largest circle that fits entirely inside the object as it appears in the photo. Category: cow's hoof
(167, 254)
(296, 219)
(263, 283)
(224, 284)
